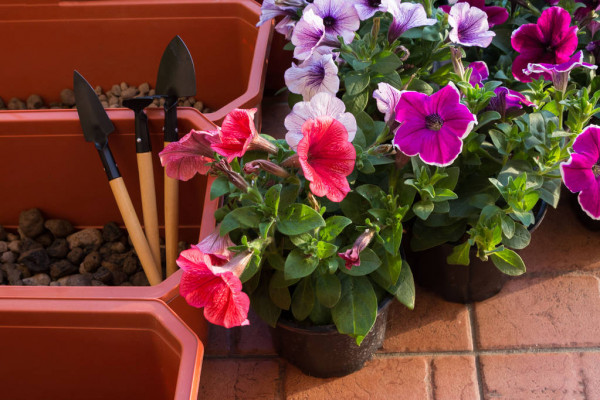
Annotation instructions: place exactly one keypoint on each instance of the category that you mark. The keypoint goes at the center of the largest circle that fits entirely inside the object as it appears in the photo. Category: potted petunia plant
(449, 123)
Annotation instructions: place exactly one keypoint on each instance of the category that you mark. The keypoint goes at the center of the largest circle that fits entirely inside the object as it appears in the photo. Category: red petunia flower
(183, 159)
(326, 157)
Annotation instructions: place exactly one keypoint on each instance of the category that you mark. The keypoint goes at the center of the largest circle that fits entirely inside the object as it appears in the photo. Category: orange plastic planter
(49, 165)
(96, 349)
(114, 41)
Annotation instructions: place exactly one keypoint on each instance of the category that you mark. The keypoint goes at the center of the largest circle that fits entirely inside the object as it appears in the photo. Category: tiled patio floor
(538, 339)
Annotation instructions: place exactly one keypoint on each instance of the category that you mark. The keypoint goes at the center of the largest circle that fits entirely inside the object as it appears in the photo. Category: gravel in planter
(112, 98)
(50, 252)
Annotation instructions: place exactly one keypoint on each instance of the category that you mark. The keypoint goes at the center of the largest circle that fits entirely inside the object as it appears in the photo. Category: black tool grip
(142, 135)
(109, 163)
(171, 133)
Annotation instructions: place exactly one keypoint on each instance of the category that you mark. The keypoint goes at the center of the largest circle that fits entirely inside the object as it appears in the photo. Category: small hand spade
(96, 127)
(176, 78)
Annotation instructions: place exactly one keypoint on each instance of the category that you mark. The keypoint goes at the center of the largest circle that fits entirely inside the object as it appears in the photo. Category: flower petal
(229, 305)
(588, 143)
(577, 173)
(589, 199)
(236, 134)
(188, 156)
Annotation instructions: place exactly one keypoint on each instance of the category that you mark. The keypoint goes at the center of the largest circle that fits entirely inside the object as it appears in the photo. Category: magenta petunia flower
(508, 103)
(551, 41)
(582, 172)
(406, 16)
(321, 105)
(316, 74)
(433, 126)
(469, 26)
(188, 156)
(479, 74)
(367, 8)
(216, 288)
(309, 36)
(496, 15)
(387, 97)
(559, 73)
(339, 17)
(326, 157)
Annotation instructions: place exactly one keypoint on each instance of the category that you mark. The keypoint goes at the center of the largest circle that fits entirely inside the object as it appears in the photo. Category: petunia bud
(254, 167)
(238, 264)
(235, 178)
(291, 162)
(459, 69)
(352, 256)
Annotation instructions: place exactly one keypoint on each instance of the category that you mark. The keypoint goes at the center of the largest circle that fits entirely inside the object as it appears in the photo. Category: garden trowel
(176, 78)
(96, 127)
(143, 149)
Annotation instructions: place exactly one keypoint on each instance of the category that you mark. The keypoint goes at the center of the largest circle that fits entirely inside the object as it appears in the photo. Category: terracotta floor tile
(590, 370)
(380, 379)
(254, 338)
(434, 325)
(561, 243)
(562, 311)
(218, 341)
(240, 379)
(454, 377)
(533, 376)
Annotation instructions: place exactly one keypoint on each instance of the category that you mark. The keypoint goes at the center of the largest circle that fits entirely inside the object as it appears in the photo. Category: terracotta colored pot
(117, 41)
(478, 281)
(50, 166)
(96, 349)
(322, 351)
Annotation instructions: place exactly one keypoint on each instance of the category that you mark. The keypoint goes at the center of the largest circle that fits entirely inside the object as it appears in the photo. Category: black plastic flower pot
(322, 351)
(584, 219)
(478, 281)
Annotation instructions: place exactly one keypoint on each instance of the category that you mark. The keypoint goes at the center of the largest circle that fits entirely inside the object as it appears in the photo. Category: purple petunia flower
(272, 9)
(508, 103)
(309, 36)
(551, 40)
(314, 75)
(582, 172)
(496, 15)
(387, 97)
(286, 27)
(589, 6)
(479, 74)
(559, 73)
(367, 8)
(433, 126)
(469, 26)
(406, 16)
(594, 49)
(339, 17)
(321, 105)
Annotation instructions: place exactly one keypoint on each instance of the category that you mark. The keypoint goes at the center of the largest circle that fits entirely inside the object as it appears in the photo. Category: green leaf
(420, 86)
(333, 227)
(263, 306)
(278, 280)
(243, 217)
(299, 265)
(276, 261)
(279, 295)
(487, 117)
(369, 262)
(519, 240)
(372, 193)
(289, 194)
(355, 207)
(508, 262)
(392, 237)
(425, 237)
(386, 62)
(356, 103)
(508, 227)
(356, 311)
(356, 82)
(272, 198)
(423, 208)
(299, 218)
(325, 250)
(252, 268)
(460, 254)
(219, 187)
(550, 191)
(303, 299)
(320, 315)
(329, 290)
(444, 194)
(405, 287)
(299, 240)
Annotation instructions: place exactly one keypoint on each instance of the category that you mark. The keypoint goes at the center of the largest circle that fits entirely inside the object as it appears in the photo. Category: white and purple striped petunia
(469, 26)
(367, 8)
(387, 97)
(316, 74)
(339, 17)
(406, 16)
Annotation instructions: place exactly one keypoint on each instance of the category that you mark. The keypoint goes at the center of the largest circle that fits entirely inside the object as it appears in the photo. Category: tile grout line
(474, 332)
(526, 350)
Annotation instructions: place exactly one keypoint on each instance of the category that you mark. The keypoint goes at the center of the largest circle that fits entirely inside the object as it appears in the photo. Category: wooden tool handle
(171, 222)
(149, 203)
(135, 230)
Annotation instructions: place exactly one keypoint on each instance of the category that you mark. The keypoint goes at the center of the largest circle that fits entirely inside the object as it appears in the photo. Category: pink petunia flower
(367, 8)
(322, 104)
(469, 26)
(387, 97)
(433, 126)
(326, 157)
(216, 247)
(559, 73)
(551, 41)
(479, 74)
(406, 16)
(188, 156)
(216, 288)
(238, 135)
(495, 15)
(314, 75)
(352, 255)
(582, 172)
(339, 17)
